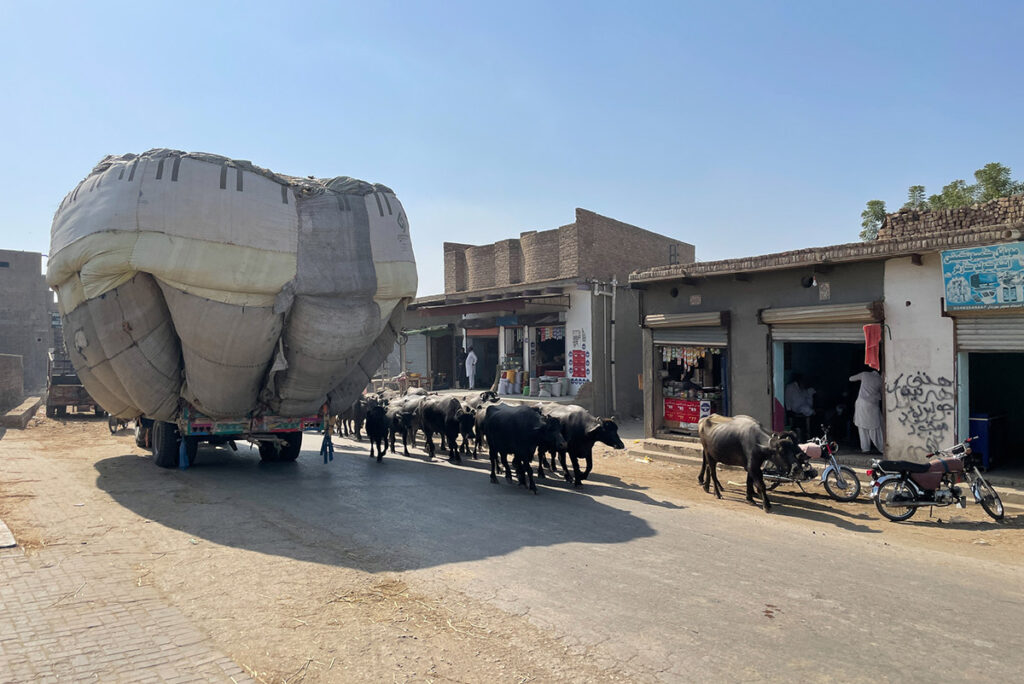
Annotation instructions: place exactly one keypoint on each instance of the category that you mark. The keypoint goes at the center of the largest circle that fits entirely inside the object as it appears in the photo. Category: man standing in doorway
(460, 367)
(471, 368)
(867, 411)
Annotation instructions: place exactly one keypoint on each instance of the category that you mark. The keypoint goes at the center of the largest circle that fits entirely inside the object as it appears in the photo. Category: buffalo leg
(542, 462)
(428, 437)
(713, 475)
(589, 458)
(576, 479)
(524, 471)
(504, 463)
(494, 465)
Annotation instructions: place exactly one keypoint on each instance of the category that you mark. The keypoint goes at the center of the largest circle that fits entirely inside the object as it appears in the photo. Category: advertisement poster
(984, 277)
(579, 357)
(686, 412)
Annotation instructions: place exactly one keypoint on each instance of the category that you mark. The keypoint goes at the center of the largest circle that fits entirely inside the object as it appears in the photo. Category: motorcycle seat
(904, 466)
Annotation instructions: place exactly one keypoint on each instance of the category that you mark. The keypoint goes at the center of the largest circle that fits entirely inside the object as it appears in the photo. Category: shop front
(984, 294)
(690, 369)
(819, 348)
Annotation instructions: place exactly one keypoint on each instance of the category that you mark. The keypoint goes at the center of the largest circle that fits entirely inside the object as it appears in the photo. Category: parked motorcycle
(840, 481)
(899, 488)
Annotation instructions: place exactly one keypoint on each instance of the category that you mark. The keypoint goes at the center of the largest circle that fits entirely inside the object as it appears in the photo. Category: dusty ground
(296, 616)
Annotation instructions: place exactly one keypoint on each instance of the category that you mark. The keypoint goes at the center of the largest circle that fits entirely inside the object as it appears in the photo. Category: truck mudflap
(193, 423)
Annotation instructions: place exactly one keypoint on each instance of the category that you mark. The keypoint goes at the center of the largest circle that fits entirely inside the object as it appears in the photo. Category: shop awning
(431, 331)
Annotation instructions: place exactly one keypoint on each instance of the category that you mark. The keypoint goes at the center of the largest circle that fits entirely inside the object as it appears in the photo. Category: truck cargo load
(191, 282)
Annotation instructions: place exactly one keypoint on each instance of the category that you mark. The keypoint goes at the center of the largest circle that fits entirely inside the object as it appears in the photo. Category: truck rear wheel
(165, 444)
(289, 451)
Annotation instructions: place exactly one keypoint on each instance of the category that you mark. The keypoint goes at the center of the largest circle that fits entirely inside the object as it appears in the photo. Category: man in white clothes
(471, 368)
(867, 411)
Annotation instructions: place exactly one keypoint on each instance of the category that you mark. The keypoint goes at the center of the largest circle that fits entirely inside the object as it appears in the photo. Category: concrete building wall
(920, 376)
(24, 314)
(750, 379)
(628, 354)
(11, 374)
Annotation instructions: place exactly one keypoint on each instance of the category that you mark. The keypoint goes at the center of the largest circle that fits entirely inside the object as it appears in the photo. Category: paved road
(670, 589)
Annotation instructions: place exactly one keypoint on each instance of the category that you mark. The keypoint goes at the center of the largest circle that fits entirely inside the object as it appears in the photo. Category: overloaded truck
(215, 300)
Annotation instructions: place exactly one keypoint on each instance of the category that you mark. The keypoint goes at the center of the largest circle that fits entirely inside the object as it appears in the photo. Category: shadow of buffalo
(400, 514)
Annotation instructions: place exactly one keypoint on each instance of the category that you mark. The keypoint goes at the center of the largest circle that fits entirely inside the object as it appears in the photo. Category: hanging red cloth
(872, 340)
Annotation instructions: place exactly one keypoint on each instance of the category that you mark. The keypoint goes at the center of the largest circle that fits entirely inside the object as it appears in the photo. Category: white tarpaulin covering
(184, 276)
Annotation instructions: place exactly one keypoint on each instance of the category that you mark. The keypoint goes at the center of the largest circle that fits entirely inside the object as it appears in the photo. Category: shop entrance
(693, 385)
(485, 344)
(442, 360)
(826, 368)
(995, 406)
(550, 354)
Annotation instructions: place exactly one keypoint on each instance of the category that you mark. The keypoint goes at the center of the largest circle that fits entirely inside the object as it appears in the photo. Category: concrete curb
(19, 417)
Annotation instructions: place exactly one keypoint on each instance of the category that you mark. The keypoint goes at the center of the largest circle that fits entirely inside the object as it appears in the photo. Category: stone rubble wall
(909, 223)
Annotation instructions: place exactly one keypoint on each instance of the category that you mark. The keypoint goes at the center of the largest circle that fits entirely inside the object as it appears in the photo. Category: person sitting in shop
(799, 398)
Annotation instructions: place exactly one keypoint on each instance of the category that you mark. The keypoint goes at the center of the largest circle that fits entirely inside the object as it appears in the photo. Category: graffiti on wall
(923, 407)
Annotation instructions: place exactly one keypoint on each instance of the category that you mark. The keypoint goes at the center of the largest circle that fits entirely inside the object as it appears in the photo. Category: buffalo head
(784, 452)
(607, 432)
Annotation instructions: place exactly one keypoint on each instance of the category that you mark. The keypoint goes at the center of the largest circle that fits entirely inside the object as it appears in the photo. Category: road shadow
(1010, 522)
(811, 506)
(400, 514)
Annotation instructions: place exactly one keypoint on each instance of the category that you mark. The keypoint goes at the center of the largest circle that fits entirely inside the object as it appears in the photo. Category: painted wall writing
(579, 345)
(923, 407)
(919, 360)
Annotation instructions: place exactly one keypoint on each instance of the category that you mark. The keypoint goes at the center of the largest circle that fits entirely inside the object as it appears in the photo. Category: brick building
(25, 306)
(551, 303)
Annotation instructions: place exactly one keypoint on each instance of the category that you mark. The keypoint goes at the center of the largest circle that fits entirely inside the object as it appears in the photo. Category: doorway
(826, 368)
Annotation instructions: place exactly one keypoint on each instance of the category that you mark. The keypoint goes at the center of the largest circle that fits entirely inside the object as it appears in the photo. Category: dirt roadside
(285, 619)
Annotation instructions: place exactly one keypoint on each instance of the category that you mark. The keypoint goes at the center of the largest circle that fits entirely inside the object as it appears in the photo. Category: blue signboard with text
(984, 277)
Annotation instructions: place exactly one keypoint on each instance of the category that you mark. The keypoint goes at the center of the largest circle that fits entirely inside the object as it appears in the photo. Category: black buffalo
(350, 421)
(377, 429)
(740, 441)
(518, 430)
(581, 431)
(443, 415)
(403, 419)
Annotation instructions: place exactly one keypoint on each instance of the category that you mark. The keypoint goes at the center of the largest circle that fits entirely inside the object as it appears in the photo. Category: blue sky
(741, 127)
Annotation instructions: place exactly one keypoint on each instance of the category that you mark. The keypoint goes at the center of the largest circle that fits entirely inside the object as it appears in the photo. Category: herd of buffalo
(480, 418)
(546, 429)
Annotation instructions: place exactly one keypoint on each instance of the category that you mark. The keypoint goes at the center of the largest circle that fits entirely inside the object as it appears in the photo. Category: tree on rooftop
(994, 181)
(872, 219)
(916, 199)
(956, 194)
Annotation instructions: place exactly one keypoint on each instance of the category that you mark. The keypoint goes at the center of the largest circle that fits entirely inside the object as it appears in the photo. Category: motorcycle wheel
(893, 511)
(848, 490)
(770, 485)
(990, 500)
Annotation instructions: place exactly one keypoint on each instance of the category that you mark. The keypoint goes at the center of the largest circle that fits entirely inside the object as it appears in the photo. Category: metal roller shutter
(819, 332)
(695, 337)
(990, 333)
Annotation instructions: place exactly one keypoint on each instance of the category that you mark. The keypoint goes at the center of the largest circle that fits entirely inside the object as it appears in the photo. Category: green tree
(872, 219)
(956, 194)
(916, 198)
(994, 181)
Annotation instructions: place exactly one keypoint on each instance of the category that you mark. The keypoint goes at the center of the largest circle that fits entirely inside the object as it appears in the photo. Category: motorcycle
(899, 488)
(840, 481)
